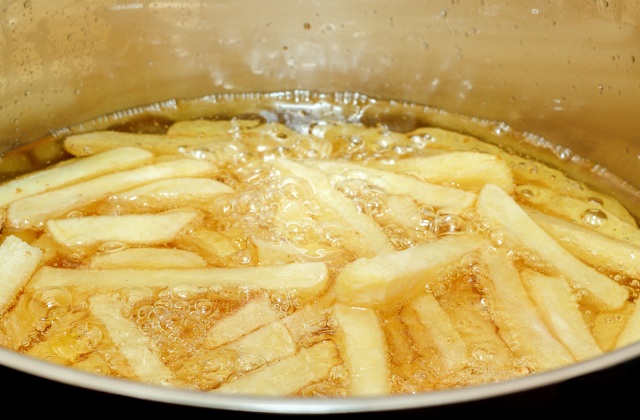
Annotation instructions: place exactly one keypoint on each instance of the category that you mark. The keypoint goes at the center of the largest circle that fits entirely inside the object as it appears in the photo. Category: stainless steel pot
(567, 70)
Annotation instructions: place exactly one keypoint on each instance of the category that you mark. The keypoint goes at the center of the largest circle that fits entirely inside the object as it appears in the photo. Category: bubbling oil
(274, 211)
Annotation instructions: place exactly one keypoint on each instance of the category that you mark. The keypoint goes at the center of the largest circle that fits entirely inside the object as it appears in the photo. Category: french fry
(372, 240)
(518, 319)
(289, 375)
(74, 171)
(18, 262)
(401, 348)
(309, 323)
(561, 313)
(386, 280)
(597, 219)
(199, 128)
(3, 216)
(216, 248)
(603, 292)
(100, 141)
(133, 229)
(434, 328)
(342, 136)
(255, 314)
(271, 342)
(35, 210)
(132, 343)
(524, 170)
(48, 246)
(175, 192)
(468, 170)
(608, 325)
(147, 259)
(631, 332)
(308, 279)
(589, 246)
(422, 192)
(363, 349)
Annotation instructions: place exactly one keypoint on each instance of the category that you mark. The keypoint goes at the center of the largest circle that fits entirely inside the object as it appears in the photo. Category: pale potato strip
(258, 312)
(373, 241)
(577, 211)
(561, 313)
(133, 229)
(289, 375)
(199, 128)
(18, 262)
(363, 349)
(215, 248)
(439, 330)
(308, 279)
(387, 280)
(517, 318)
(134, 346)
(73, 171)
(603, 292)
(100, 141)
(306, 323)
(271, 342)
(175, 189)
(148, 258)
(631, 331)
(422, 192)
(467, 169)
(589, 246)
(35, 210)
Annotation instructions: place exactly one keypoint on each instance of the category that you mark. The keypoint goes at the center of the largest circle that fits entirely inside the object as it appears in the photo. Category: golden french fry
(422, 192)
(517, 318)
(289, 375)
(363, 349)
(469, 170)
(48, 246)
(309, 324)
(372, 240)
(147, 259)
(199, 128)
(589, 246)
(271, 342)
(608, 325)
(73, 171)
(18, 262)
(524, 170)
(603, 292)
(401, 348)
(435, 328)
(387, 280)
(135, 347)
(216, 248)
(35, 210)
(255, 314)
(133, 229)
(341, 136)
(308, 279)
(561, 313)
(99, 141)
(585, 214)
(631, 331)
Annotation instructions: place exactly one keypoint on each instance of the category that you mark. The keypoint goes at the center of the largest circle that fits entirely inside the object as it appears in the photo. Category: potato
(18, 262)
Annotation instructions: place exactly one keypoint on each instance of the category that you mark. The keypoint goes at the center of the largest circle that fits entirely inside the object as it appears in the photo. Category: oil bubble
(50, 302)
(186, 291)
(596, 201)
(502, 236)
(134, 295)
(594, 217)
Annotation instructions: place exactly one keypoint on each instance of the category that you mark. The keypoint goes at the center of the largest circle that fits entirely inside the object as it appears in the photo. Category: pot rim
(289, 405)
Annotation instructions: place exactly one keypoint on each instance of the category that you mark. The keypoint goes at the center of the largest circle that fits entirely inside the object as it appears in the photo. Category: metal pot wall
(567, 70)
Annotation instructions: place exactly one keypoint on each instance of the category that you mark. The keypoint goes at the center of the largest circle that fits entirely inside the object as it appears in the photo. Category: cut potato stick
(402, 351)
(18, 262)
(524, 170)
(132, 229)
(35, 210)
(469, 170)
(363, 349)
(130, 341)
(216, 248)
(561, 313)
(372, 240)
(518, 319)
(100, 141)
(589, 246)
(289, 375)
(603, 292)
(607, 325)
(48, 246)
(255, 314)
(631, 331)
(308, 279)
(147, 259)
(73, 171)
(587, 215)
(271, 342)
(387, 280)
(422, 192)
(199, 128)
(175, 192)
(437, 328)
(309, 324)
